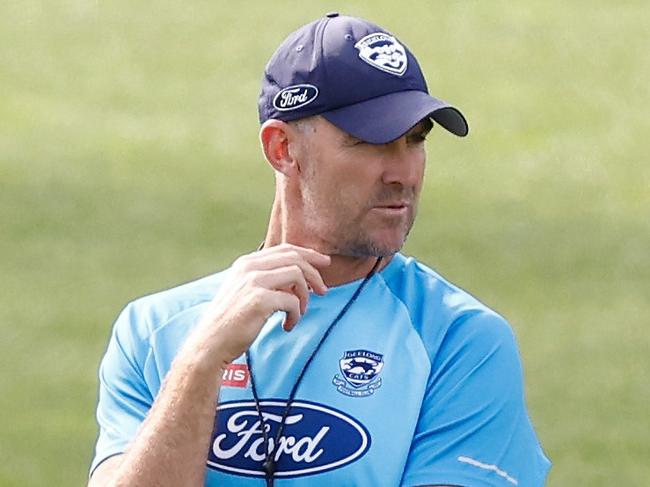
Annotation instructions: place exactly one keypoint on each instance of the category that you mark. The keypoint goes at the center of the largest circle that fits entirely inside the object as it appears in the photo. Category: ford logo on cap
(295, 96)
(315, 439)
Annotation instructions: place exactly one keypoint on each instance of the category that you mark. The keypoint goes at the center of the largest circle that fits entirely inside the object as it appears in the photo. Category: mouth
(392, 209)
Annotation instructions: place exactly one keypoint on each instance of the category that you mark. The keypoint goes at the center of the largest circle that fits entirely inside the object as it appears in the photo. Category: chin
(357, 241)
(373, 247)
(385, 250)
(389, 243)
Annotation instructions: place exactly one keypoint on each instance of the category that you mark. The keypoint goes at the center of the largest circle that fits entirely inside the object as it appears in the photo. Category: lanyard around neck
(269, 464)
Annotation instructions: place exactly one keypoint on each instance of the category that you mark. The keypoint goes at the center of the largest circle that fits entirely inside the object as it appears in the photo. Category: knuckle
(311, 272)
(294, 301)
(285, 299)
(253, 277)
(293, 254)
(241, 262)
(257, 298)
(295, 268)
(297, 274)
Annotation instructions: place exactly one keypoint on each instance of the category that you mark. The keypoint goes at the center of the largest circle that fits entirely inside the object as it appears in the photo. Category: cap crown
(333, 62)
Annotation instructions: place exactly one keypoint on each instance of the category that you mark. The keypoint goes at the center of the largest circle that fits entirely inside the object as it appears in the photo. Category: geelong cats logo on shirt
(360, 373)
(382, 51)
(316, 438)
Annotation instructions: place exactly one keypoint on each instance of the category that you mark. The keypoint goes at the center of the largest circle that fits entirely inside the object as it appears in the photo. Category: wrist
(202, 357)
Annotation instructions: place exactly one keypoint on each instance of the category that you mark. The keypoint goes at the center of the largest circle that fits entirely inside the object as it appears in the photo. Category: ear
(275, 136)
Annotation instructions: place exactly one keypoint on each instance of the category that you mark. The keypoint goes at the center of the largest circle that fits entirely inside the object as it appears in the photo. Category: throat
(345, 269)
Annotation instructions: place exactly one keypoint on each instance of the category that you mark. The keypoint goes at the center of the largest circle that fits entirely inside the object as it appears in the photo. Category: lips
(394, 206)
(392, 209)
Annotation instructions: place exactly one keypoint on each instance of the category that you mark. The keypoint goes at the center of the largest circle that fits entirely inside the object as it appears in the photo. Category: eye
(353, 141)
(418, 138)
(419, 133)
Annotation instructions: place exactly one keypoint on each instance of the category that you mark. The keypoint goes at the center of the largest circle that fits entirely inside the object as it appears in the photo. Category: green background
(129, 162)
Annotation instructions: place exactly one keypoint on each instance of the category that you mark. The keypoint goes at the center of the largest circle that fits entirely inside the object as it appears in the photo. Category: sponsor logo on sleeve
(383, 51)
(360, 371)
(236, 375)
(296, 96)
(316, 438)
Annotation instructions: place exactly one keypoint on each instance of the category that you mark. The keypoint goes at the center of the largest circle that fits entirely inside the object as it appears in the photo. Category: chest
(354, 412)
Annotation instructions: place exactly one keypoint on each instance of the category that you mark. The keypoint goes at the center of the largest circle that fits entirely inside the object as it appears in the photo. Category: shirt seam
(408, 313)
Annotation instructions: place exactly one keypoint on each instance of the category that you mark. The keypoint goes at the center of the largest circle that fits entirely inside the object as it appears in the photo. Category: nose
(403, 163)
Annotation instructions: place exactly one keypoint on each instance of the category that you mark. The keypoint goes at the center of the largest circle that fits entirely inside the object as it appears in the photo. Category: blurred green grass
(129, 162)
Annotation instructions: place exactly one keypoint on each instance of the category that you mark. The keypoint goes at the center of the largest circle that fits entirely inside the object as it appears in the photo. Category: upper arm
(473, 427)
(104, 472)
(124, 395)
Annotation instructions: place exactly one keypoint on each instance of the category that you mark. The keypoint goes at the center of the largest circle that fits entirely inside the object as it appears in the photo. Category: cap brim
(386, 118)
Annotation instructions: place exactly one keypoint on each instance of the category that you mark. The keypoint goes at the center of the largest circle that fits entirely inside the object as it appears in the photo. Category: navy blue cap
(356, 75)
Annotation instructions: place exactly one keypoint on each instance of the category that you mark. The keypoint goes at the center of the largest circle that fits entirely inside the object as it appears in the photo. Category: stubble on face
(338, 216)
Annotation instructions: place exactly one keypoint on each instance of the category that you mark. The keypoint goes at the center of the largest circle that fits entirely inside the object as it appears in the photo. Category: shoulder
(145, 315)
(444, 315)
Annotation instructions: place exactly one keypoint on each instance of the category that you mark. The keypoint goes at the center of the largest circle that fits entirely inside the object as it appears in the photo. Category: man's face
(358, 199)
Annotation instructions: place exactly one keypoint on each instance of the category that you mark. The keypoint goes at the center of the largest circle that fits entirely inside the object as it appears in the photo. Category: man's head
(344, 109)
(340, 194)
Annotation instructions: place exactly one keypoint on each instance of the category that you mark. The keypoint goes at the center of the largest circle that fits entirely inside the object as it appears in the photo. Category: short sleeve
(473, 429)
(124, 397)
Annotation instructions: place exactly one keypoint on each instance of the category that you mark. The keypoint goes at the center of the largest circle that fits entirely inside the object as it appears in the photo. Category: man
(389, 375)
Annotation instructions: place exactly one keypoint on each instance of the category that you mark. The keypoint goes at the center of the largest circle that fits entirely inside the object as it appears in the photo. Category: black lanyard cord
(269, 461)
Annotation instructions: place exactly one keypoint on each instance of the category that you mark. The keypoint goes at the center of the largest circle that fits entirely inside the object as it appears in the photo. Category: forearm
(171, 446)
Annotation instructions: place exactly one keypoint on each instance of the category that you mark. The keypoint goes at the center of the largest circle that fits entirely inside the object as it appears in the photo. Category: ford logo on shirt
(315, 439)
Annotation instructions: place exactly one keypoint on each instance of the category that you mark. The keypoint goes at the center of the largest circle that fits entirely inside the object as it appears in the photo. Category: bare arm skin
(171, 446)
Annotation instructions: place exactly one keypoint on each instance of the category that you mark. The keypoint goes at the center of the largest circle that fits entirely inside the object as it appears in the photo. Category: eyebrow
(422, 128)
(350, 139)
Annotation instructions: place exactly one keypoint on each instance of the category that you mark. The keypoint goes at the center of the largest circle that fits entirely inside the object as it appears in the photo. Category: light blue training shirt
(418, 384)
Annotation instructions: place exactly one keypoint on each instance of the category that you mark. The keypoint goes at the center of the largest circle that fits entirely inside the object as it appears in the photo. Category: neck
(343, 268)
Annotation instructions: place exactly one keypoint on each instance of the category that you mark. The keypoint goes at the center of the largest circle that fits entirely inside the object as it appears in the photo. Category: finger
(286, 258)
(289, 279)
(290, 304)
(312, 275)
(310, 255)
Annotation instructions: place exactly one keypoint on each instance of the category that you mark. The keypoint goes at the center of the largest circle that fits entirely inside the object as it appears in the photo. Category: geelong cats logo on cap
(382, 51)
(295, 96)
